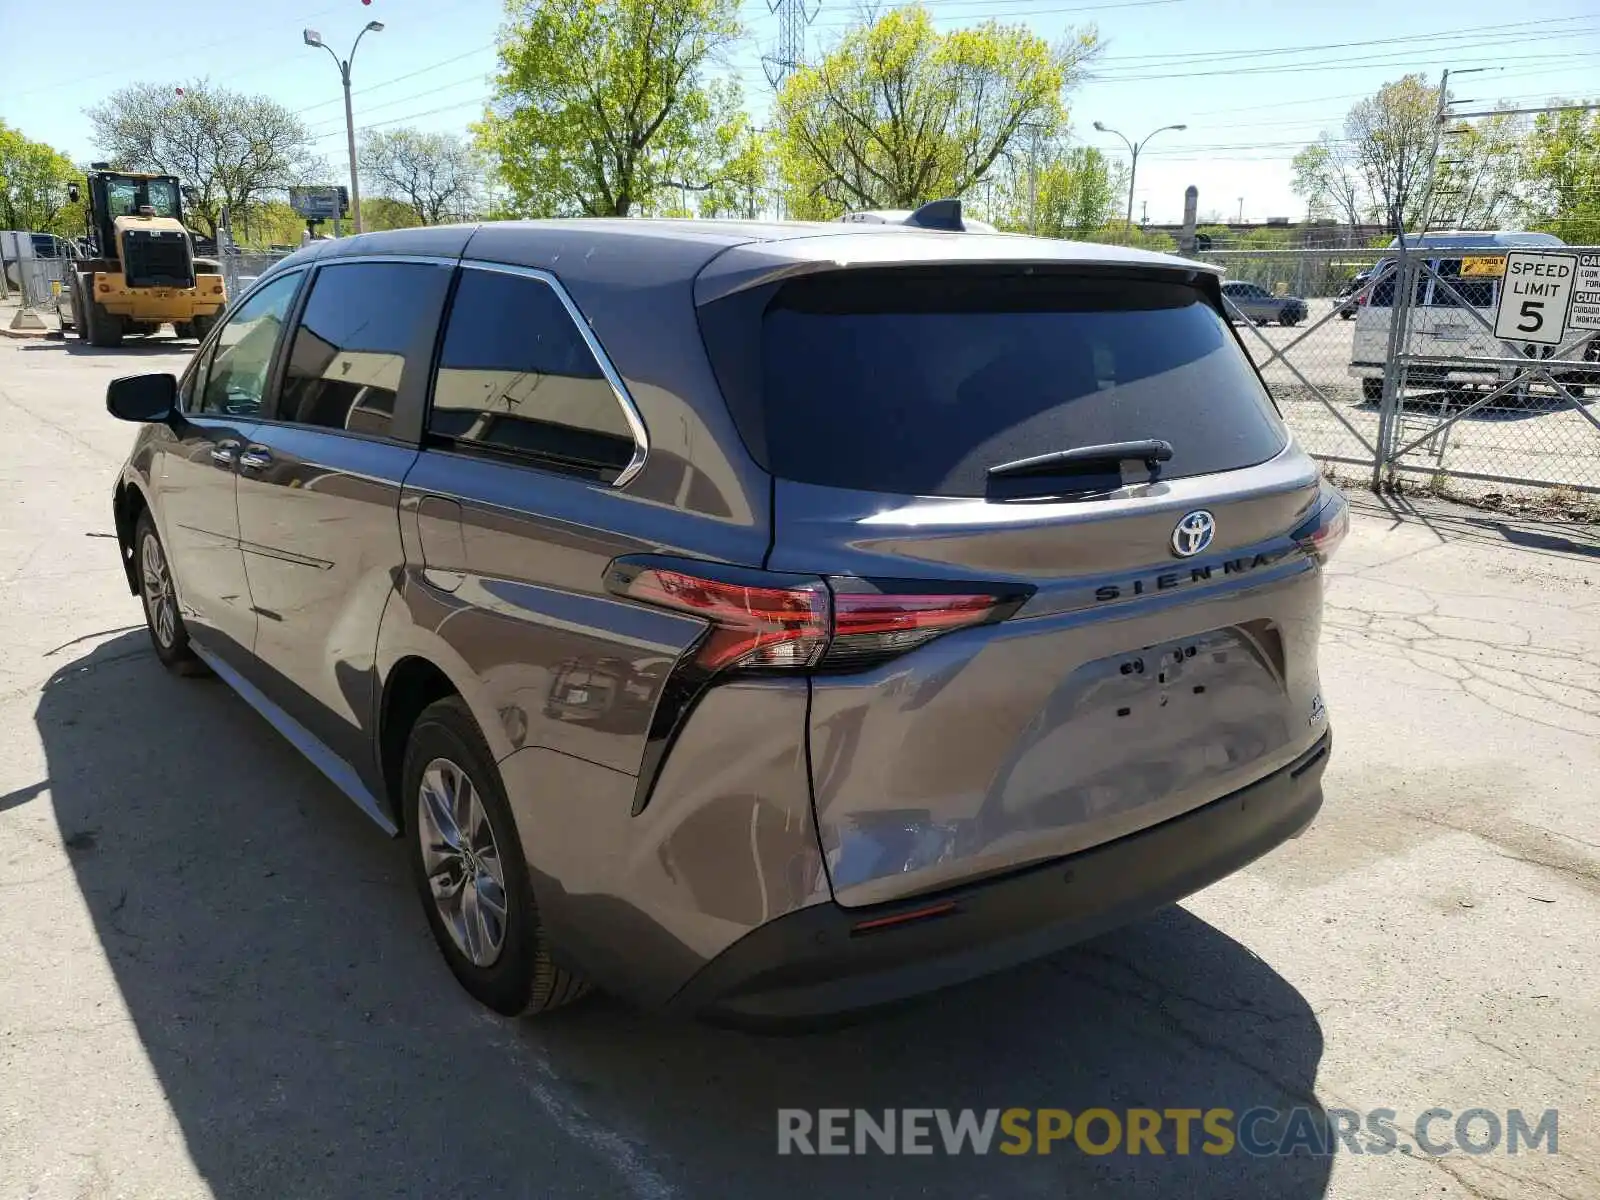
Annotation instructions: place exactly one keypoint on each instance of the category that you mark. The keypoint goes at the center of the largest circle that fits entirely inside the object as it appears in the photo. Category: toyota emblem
(1193, 533)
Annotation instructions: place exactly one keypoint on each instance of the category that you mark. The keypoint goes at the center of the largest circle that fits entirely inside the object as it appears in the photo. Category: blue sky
(1253, 79)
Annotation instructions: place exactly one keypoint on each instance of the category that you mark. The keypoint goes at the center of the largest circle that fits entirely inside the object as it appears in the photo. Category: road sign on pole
(319, 203)
(1534, 296)
(1586, 294)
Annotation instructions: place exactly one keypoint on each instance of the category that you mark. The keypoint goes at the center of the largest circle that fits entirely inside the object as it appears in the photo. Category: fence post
(1393, 371)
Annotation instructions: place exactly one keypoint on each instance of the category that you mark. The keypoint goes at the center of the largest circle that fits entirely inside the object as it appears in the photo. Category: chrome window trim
(334, 260)
(619, 390)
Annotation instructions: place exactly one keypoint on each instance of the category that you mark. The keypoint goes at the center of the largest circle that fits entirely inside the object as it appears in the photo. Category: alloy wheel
(462, 861)
(160, 605)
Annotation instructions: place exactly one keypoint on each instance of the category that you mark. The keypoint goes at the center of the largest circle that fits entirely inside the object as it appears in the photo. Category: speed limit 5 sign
(1534, 295)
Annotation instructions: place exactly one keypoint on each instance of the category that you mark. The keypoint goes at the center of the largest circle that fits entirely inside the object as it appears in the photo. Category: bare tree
(1327, 177)
(436, 174)
(234, 150)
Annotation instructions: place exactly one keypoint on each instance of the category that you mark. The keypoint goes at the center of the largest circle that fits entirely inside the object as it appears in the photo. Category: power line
(848, 22)
(1457, 34)
(444, 62)
(1331, 65)
(475, 103)
(406, 99)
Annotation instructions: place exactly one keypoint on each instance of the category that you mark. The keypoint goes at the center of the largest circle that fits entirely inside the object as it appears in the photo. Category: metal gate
(1463, 403)
(1296, 311)
(1387, 360)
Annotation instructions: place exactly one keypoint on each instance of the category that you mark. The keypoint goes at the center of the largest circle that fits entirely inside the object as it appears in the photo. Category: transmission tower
(790, 49)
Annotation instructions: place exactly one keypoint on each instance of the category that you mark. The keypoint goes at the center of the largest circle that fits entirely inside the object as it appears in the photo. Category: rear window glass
(918, 382)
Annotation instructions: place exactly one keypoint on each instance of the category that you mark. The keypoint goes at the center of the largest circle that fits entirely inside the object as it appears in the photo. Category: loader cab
(114, 194)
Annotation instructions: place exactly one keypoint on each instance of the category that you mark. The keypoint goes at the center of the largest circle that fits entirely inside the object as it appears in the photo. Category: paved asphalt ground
(215, 980)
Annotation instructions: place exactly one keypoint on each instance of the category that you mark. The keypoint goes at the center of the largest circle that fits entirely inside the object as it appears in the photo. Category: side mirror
(146, 398)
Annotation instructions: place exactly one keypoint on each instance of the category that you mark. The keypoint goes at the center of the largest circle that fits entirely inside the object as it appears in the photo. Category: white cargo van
(1440, 325)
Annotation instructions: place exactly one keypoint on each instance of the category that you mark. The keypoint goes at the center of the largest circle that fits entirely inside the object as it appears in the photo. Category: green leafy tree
(898, 114)
(1063, 192)
(602, 107)
(1561, 165)
(233, 150)
(33, 186)
(384, 212)
(742, 183)
(1478, 180)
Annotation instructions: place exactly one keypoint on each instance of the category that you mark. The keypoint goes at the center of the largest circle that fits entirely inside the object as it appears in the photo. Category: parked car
(1254, 303)
(1349, 298)
(755, 620)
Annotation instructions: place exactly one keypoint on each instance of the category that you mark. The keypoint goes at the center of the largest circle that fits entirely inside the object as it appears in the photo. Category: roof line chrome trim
(630, 412)
(334, 260)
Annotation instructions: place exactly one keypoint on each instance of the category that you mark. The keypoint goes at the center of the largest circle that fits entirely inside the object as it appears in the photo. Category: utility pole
(313, 38)
(1033, 181)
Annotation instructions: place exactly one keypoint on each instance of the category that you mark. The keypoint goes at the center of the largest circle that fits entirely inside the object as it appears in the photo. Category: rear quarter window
(917, 382)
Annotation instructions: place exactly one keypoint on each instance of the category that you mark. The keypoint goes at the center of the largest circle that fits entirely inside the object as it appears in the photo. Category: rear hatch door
(1160, 619)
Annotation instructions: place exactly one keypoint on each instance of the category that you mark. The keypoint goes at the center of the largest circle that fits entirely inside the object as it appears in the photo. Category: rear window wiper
(1088, 460)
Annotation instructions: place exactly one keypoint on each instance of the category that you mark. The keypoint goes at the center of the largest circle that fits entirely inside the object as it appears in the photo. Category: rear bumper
(814, 962)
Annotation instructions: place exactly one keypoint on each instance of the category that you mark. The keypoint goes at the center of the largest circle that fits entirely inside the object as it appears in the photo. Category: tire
(79, 320)
(168, 634)
(103, 328)
(201, 325)
(1288, 320)
(1371, 390)
(450, 779)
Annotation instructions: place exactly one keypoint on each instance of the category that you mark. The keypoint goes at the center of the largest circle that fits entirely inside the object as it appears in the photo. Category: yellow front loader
(144, 273)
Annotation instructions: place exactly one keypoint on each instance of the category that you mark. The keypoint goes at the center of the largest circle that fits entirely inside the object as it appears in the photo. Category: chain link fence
(240, 270)
(33, 273)
(1387, 360)
(1296, 311)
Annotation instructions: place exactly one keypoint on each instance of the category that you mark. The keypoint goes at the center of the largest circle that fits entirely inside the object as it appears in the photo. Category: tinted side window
(516, 375)
(362, 325)
(1383, 294)
(235, 379)
(1476, 290)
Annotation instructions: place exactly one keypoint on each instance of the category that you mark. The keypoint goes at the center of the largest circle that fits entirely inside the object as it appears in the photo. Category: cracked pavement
(215, 980)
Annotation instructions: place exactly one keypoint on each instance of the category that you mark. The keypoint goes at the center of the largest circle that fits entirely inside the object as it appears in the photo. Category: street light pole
(1133, 155)
(313, 38)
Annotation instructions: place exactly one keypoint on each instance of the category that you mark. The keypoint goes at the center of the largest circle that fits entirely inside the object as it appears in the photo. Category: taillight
(871, 626)
(768, 621)
(762, 620)
(1322, 534)
(751, 626)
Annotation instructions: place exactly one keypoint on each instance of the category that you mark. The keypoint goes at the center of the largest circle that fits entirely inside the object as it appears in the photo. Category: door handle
(225, 453)
(257, 458)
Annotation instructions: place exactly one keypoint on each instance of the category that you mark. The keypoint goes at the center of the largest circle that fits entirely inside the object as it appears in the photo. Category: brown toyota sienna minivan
(752, 620)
